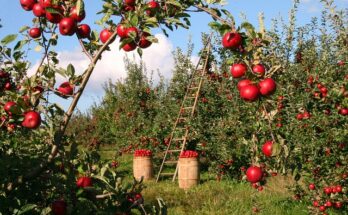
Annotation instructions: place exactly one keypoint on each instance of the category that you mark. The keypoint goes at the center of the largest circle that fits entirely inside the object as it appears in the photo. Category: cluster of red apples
(255, 174)
(13, 112)
(137, 37)
(321, 92)
(188, 154)
(247, 89)
(21, 112)
(66, 16)
(325, 203)
(142, 153)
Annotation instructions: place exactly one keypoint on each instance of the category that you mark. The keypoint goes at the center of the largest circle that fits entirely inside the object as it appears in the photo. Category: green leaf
(103, 170)
(80, 7)
(134, 20)
(276, 149)
(20, 44)
(140, 52)
(70, 71)
(249, 27)
(26, 208)
(125, 41)
(175, 3)
(8, 39)
(53, 11)
(23, 28)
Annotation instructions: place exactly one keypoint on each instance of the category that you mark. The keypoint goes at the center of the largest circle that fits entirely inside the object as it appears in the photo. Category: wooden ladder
(180, 131)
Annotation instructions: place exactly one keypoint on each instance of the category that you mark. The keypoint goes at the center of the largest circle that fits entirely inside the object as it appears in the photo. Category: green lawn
(216, 198)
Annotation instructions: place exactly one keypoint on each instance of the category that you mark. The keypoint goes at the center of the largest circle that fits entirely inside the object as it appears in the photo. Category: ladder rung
(171, 162)
(179, 139)
(174, 150)
(192, 88)
(167, 173)
(187, 107)
(191, 97)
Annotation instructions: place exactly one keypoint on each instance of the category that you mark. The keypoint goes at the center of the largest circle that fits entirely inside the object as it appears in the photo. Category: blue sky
(13, 17)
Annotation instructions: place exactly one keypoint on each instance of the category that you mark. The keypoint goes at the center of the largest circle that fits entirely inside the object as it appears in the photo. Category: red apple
(254, 174)
(311, 186)
(129, 2)
(250, 92)
(259, 69)
(11, 107)
(84, 31)
(34, 33)
(231, 40)
(4, 74)
(59, 207)
(67, 26)
(129, 46)
(299, 116)
(143, 42)
(153, 7)
(105, 35)
(328, 204)
(322, 208)
(238, 70)
(338, 205)
(243, 83)
(132, 31)
(267, 148)
(27, 4)
(31, 120)
(339, 189)
(55, 17)
(84, 182)
(66, 89)
(267, 86)
(46, 3)
(8, 86)
(77, 18)
(128, 8)
(343, 111)
(39, 10)
(328, 190)
(306, 115)
(121, 31)
(341, 63)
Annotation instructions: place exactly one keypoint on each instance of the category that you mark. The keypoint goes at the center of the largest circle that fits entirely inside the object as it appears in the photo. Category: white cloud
(157, 57)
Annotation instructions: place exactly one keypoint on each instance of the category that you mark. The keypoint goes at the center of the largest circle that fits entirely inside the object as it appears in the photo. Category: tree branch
(269, 122)
(215, 16)
(84, 50)
(60, 133)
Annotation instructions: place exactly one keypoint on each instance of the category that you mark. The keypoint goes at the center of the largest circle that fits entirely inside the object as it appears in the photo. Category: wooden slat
(167, 173)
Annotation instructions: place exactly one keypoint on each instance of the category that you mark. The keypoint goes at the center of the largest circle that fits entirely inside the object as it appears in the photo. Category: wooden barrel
(142, 166)
(188, 172)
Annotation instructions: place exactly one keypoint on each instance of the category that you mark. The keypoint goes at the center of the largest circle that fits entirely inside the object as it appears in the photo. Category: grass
(221, 198)
(215, 198)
